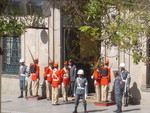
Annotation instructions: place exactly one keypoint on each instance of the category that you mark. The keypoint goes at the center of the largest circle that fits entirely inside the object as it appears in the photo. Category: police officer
(72, 77)
(126, 79)
(119, 89)
(81, 90)
(23, 75)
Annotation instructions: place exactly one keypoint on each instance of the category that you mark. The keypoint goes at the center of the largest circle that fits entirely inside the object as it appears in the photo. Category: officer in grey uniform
(22, 75)
(126, 79)
(72, 77)
(81, 90)
(118, 89)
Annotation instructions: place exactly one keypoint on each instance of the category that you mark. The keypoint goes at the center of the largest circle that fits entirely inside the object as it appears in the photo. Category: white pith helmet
(80, 72)
(122, 65)
(21, 60)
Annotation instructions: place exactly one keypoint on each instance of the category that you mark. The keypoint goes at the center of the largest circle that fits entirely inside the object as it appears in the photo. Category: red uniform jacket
(35, 76)
(55, 77)
(97, 77)
(65, 76)
(105, 79)
(47, 73)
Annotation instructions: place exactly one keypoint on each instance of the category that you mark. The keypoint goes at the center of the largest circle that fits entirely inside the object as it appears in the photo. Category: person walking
(65, 81)
(47, 79)
(118, 89)
(80, 90)
(73, 73)
(23, 75)
(34, 73)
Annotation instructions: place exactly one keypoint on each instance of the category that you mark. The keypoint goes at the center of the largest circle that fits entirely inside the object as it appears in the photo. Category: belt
(65, 77)
(22, 75)
(104, 77)
(33, 73)
(55, 79)
(80, 88)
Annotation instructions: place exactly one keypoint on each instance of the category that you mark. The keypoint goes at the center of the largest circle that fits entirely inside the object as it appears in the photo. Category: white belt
(55, 79)
(80, 88)
(65, 77)
(33, 73)
(22, 75)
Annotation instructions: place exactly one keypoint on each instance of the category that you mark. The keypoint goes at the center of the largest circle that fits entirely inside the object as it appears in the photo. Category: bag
(103, 71)
(32, 68)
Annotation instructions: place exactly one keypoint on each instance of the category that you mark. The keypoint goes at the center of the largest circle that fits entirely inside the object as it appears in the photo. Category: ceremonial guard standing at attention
(23, 75)
(97, 82)
(73, 73)
(105, 80)
(34, 73)
(65, 74)
(80, 90)
(55, 83)
(47, 78)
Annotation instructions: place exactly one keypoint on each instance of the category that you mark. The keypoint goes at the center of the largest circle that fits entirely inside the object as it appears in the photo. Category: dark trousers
(118, 99)
(71, 91)
(77, 98)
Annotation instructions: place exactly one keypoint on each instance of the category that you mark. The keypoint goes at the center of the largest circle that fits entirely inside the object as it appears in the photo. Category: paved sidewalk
(14, 105)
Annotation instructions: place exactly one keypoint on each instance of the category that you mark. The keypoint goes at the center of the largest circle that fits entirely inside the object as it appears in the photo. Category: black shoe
(75, 112)
(21, 96)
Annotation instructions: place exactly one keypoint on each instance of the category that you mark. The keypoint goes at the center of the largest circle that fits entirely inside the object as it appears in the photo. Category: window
(11, 54)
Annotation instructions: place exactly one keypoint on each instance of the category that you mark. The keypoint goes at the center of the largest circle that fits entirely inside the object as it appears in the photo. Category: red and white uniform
(35, 75)
(97, 77)
(55, 78)
(47, 74)
(65, 76)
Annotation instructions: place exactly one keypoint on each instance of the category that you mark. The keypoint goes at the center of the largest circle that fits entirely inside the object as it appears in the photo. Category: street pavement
(11, 104)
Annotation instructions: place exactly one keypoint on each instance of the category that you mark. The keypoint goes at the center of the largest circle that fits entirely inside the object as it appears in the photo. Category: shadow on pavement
(98, 110)
(136, 109)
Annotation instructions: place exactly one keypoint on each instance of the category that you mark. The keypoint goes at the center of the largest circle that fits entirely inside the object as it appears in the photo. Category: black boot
(26, 93)
(119, 109)
(75, 110)
(21, 96)
(85, 110)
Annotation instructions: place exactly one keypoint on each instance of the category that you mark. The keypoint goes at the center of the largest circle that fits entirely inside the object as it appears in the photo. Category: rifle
(30, 53)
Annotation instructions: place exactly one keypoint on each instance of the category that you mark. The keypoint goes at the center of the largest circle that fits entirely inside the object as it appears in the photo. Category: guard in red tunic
(34, 73)
(105, 79)
(65, 81)
(97, 83)
(55, 83)
(47, 79)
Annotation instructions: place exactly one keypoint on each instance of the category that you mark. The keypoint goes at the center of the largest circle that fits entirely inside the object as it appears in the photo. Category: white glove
(26, 78)
(46, 81)
(92, 77)
(74, 94)
(59, 86)
(48, 75)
